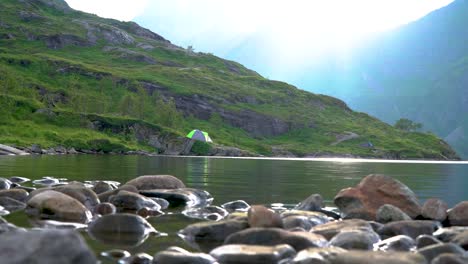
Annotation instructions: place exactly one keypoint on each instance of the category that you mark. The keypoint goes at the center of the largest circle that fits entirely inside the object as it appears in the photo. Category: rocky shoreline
(380, 220)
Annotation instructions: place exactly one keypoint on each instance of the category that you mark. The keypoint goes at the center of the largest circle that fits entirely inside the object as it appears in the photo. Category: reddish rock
(435, 209)
(458, 215)
(260, 216)
(371, 193)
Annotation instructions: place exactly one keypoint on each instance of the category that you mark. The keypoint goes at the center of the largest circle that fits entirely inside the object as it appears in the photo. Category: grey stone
(139, 258)
(105, 208)
(389, 213)
(396, 243)
(206, 213)
(4, 184)
(16, 194)
(316, 255)
(426, 240)
(12, 205)
(253, 254)
(120, 229)
(380, 257)
(17, 179)
(329, 230)
(311, 203)
(239, 205)
(458, 215)
(78, 191)
(460, 239)
(450, 258)
(431, 252)
(126, 201)
(184, 196)
(446, 234)
(176, 255)
(212, 231)
(101, 187)
(409, 228)
(276, 236)
(45, 246)
(356, 239)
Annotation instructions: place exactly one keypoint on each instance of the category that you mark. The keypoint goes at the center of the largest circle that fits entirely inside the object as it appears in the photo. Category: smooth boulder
(458, 215)
(396, 243)
(371, 193)
(176, 255)
(431, 252)
(17, 194)
(311, 203)
(388, 213)
(253, 254)
(55, 205)
(329, 230)
(126, 201)
(78, 191)
(316, 255)
(260, 216)
(50, 246)
(409, 228)
(356, 239)
(151, 182)
(276, 236)
(378, 257)
(435, 209)
(215, 232)
(181, 197)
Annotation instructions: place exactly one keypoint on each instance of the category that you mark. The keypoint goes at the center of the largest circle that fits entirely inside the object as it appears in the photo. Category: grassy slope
(106, 84)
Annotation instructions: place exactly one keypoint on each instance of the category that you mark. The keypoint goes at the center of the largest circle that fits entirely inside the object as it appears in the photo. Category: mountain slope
(419, 71)
(74, 79)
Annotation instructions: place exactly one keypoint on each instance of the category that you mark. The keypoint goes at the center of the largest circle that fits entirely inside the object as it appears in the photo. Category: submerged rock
(50, 246)
(239, 205)
(206, 213)
(276, 236)
(57, 206)
(120, 229)
(371, 193)
(151, 182)
(252, 254)
(185, 196)
(176, 255)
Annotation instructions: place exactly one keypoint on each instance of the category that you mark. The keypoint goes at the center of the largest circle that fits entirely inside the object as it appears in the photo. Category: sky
(276, 38)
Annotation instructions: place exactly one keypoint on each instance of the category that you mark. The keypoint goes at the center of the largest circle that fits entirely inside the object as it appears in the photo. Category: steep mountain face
(73, 79)
(419, 71)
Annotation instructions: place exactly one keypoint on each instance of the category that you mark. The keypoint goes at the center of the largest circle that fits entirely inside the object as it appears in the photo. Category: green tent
(199, 135)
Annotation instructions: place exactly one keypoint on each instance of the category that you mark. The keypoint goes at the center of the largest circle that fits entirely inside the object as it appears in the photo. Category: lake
(257, 181)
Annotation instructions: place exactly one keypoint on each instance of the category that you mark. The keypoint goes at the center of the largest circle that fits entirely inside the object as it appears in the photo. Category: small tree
(407, 125)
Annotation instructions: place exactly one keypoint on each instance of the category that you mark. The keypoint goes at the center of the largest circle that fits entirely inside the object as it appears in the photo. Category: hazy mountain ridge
(418, 71)
(71, 78)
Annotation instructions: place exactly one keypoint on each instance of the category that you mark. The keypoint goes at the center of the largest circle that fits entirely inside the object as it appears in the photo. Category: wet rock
(371, 193)
(460, 239)
(458, 215)
(426, 240)
(102, 187)
(435, 209)
(356, 239)
(396, 243)
(7, 227)
(297, 217)
(239, 205)
(260, 216)
(253, 254)
(212, 231)
(176, 255)
(163, 203)
(446, 234)
(16, 194)
(17, 179)
(78, 191)
(4, 184)
(152, 182)
(147, 212)
(388, 213)
(46, 181)
(104, 197)
(105, 209)
(449, 258)
(52, 224)
(139, 258)
(431, 252)
(11, 205)
(206, 213)
(316, 255)
(126, 201)
(409, 228)
(57, 206)
(329, 230)
(120, 229)
(185, 196)
(276, 236)
(26, 188)
(36, 149)
(380, 257)
(115, 254)
(311, 203)
(45, 246)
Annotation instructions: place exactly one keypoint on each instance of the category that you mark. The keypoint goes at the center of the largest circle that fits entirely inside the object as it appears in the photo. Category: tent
(199, 135)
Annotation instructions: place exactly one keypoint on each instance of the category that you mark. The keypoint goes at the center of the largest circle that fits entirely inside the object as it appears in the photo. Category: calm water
(257, 181)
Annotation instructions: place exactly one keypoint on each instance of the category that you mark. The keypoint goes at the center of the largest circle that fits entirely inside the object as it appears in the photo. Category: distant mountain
(418, 71)
(73, 79)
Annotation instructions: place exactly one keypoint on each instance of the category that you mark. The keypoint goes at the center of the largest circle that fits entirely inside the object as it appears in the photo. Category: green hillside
(73, 79)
